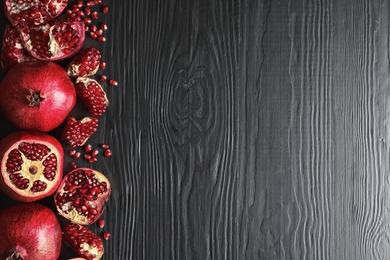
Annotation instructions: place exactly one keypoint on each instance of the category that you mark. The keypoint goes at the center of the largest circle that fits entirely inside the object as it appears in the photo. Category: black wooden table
(246, 129)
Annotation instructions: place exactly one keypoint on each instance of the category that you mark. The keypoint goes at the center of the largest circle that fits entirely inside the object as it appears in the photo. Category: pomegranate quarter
(81, 196)
(31, 165)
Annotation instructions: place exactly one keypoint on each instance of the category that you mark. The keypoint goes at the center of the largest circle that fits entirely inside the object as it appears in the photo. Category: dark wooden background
(247, 129)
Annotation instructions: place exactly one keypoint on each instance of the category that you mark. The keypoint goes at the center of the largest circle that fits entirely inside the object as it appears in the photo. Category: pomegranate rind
(12, 51)
(54, 50)
(31, 231)
(47, 9)
(23, 78)
(68, 210)
(10, 143)
(74, 235)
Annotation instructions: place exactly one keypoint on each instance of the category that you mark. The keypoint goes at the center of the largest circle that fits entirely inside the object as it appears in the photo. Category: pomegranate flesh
(82, 240)
(12, 51)
(31, 165)
(76, 132)
(29, 232)
(37, 95)
(92, 95)
(81, 196)
(29, 13)
(86, 63)
(56, 40)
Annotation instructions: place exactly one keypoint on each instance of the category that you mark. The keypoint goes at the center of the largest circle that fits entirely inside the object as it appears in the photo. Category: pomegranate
(86, 63)
(81, 196)
(31, 165)
(77, 132)
(56, 40)
(29, 232)
(12, 51)
(92, 95)
(29, 13)
(82, 240)
(37, 95)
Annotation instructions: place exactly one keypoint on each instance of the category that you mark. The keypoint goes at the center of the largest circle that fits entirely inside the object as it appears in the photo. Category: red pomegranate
(81, 195)
(31, 165)
(37, 95)
(29, 232)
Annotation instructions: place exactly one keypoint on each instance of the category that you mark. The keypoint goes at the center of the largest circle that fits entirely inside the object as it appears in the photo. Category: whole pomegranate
(37, 95)
(29, 232)
(31, 165)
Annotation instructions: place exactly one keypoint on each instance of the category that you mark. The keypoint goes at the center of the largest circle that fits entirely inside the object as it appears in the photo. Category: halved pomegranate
(29, 13)
(56, 40)
(31, 165)
(81, 195)
(12, 51)
(82, 240)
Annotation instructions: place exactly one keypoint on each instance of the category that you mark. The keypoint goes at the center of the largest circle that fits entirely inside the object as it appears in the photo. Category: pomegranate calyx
(35, 98)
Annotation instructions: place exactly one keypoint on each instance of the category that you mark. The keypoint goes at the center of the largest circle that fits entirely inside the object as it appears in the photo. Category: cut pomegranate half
(31, 165)
(29, 13)
(82, 240)
(76, 132)
(81, 196)
(12, 51)
(56, 40)
(92, 95)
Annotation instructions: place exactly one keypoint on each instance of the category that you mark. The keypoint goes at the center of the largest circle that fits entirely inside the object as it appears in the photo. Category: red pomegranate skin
(31, 231)
(55, 85)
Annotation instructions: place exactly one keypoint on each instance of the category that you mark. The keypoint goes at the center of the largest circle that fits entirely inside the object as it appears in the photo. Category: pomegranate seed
(87, 156)
(107, 153)
(93, 28)
(101, 39)
(80, 13)
(77, 155)
(87, 20)
(87, 11)
(95, 15)
(90, 3)
(99, 32)
(102, 65)
(106, 235)
(101, 223)
(103, 78)
(86, 28)
(94, 153)
(93, 35)
(92, 160)
(104, 9)
(105, 146)
(72, 152)
(113, 82)
(97, 1)
(73, 165)
(88, 148)
(104, 26)
(80, 3)
(68, 12)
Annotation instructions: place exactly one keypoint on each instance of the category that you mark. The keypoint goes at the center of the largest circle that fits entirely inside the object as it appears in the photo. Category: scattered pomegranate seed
(86, 28)
(106, 235)
(93, 35)
(95, 15)
(105, 146)
(103, 78)
(104, 9)
(87, 20)
(87, 11)
(73, 165)
(80, 3)
(77, 155)
(72, 152)
(80, 13)
(98, 1)
(107, 153)
(102, 65)
(99, 32)
(101, 39)
(101, 223)
(113, 82)
(94, 153)
(92, 159)
(88, 148)
(104, 26)
(87, 156)
(93, 28)
(68, 12)
(90, 3)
